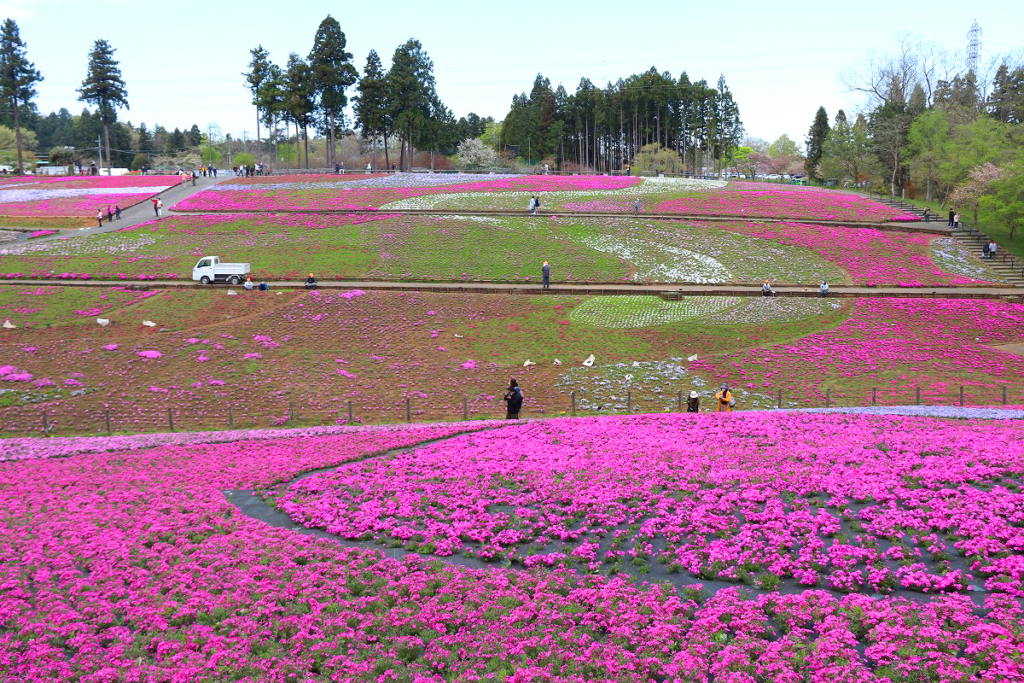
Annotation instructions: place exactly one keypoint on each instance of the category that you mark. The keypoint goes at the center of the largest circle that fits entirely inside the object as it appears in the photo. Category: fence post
(917, 395)
(170, 418)
(874, 395)
(629, 401)
(350, 412)
(46, 424)
(231, 418)
(572, 401)
(780, 399)
(679, 401)
(828, 398)
(291, 414)
(108, 420)
(408, 413)
(961, 395)
(1004, 396)
(465, 409)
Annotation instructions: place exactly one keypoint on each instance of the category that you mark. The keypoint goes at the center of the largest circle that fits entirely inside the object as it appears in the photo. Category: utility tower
(973, 47)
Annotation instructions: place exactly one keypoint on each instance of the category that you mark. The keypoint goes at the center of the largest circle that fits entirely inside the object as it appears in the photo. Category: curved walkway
(666, 290)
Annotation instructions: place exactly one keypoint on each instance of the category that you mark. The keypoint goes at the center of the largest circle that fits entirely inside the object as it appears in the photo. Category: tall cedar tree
(332, 71)
(104, 88)
(257, 76)
(816, 142)
(371, 105)
(18, 76)
(298, 99)
(411, 90)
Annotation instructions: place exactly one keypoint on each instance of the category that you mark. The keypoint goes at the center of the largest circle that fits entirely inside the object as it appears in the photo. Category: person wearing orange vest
(725, 401)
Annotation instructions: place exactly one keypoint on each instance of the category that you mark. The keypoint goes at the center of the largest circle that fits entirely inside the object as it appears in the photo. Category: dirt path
(1015, 294)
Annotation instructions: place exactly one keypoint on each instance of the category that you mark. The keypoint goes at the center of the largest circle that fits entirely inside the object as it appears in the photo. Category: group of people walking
(113, 214)
(249, 170)
(513, 399)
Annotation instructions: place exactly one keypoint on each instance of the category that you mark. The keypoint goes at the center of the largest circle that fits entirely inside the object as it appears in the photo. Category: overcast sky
(183, 61)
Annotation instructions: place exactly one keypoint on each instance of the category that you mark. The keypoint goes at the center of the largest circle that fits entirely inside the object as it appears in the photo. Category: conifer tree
(18, 77)
(371, 104)
(816, 142)
(104, 88)
(332, 71)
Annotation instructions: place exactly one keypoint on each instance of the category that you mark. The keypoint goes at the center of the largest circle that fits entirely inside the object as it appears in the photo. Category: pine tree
(195, 136)
(18, 77)
(815, 142)
(145, 143)
(298, 98)
(411, 89)
(371, 104)
(257, 75)
(104, 88)
(332, 71)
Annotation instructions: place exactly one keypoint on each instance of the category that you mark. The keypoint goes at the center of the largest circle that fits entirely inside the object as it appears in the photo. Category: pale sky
(182, 62)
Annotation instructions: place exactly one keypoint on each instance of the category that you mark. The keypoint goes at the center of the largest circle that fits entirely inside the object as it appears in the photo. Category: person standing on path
(951, 214)
(956, 220)
(117, 211)
(513, 400)
(636, 207)
(629, 170)
(159, 207)
(693, 403)
(99, 217)
(110, 214)
(992, 248)
(533, 205)
(156, 211)
(725, 400)
(927, 215)
(545, 272)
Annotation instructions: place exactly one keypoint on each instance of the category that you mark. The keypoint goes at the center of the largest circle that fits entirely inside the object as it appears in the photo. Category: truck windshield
(205, 263)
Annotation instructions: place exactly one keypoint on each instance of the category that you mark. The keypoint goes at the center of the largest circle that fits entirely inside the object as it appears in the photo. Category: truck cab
(211, 269)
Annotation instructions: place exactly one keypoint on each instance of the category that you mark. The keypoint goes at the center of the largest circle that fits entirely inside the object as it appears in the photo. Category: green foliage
(138, 162)
(847, 153)
(371, 104)
(816, 141)
(411, 94)
(1006, 203)
(654, 159)
(244, 159)
(332, 72)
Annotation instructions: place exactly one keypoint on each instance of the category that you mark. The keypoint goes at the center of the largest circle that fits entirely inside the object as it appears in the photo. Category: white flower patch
(774, 310)
(19, 196)
(661, 262)
(955, 257)
(673, 185)
(623, 312)
(107, 244)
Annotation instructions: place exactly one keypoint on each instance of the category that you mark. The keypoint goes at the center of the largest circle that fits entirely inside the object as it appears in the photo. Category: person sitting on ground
(264, 287)
(766, 289)
(824, 289)
(513, 399)
(693, 403)
(248, 284)
(311, 282)
(725, 400)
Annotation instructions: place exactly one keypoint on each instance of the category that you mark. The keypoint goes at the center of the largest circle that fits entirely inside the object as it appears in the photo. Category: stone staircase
(1008, 266)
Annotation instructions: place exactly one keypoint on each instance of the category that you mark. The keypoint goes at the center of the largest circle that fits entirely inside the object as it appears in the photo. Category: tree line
(399, 102)
(933, 128)
(605, 128)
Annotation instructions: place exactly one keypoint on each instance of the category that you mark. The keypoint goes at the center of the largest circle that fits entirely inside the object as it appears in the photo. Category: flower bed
(752, 200)
(78, 197)
(854, 504)
(648, 311)
(134, 566)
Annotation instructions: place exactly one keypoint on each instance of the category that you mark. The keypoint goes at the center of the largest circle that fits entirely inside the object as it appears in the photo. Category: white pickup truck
(210, 269)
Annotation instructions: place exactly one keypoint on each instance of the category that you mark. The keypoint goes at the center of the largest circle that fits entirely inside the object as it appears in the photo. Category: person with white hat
(693, 403)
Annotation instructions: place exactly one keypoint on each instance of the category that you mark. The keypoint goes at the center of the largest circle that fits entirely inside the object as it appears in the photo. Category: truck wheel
(204, 280)
(234, 280)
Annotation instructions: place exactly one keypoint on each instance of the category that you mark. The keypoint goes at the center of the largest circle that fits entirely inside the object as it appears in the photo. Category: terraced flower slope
(78, 196)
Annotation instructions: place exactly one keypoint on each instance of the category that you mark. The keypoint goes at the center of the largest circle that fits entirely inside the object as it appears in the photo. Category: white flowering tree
(473, 154)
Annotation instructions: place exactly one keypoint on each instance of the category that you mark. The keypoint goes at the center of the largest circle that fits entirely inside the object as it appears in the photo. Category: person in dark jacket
(693, 403)
(311, 282)
(545, 275)
(951, 214)
(513, 399)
